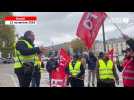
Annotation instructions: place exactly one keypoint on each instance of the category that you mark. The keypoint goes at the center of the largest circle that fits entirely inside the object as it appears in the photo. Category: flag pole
(104, 40)
(116, 25)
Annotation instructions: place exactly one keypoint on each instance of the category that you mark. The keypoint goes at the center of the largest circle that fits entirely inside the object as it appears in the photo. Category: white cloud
(62, 38)
(129, 31)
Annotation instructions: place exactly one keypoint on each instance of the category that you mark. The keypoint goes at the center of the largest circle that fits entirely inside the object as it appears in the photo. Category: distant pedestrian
(92, 62)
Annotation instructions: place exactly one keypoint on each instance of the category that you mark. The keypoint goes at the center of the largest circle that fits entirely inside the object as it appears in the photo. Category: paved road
(8, 78)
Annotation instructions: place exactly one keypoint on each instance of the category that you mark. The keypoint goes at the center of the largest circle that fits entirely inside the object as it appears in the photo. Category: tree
(77, 44)
(7, 35)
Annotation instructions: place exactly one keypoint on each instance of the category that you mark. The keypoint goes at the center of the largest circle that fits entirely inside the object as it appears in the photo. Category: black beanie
(130, 42)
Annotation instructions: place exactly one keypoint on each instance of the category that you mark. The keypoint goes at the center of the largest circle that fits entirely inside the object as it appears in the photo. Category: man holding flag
(59, 76)
(127, 66)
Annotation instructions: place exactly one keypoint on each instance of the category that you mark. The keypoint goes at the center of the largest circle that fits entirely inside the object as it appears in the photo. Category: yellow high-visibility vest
(22, 58)
(106, 70)
(76, 69)
(37, 61)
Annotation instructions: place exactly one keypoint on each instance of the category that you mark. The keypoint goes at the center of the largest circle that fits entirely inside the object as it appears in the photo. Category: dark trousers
(50, 78)
(76, 82)
(24, 78)
(105, 83)
(36, 76)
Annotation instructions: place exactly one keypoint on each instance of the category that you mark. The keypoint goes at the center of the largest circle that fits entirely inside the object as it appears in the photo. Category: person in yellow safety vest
(76, 72)
(106, 72)
(25, 54)
(36, 75)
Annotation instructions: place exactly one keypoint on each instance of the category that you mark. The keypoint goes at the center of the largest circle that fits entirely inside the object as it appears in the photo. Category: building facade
(117, 44)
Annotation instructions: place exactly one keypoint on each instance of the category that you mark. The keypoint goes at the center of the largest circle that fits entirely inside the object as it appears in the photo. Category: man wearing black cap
(129, 41)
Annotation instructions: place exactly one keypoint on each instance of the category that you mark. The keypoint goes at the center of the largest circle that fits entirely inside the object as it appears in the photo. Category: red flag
(89, 26)
(111, 54)
(64, 57)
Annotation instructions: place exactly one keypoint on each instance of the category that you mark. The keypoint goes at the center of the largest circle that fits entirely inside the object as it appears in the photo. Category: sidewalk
(9, 79)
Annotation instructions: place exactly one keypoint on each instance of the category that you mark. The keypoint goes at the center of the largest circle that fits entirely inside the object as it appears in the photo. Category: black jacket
(51, 65)
(24, 50)
(92, 62)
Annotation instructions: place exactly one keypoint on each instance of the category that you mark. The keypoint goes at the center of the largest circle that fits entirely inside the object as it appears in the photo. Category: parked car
(2, 60)
(8, 60)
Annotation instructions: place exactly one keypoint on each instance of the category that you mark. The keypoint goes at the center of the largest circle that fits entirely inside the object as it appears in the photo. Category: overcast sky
(59, 27)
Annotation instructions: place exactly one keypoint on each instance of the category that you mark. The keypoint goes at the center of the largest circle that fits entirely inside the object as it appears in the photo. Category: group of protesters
(101, 69)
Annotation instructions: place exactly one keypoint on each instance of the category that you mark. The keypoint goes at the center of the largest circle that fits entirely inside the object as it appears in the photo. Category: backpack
(51, 65)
